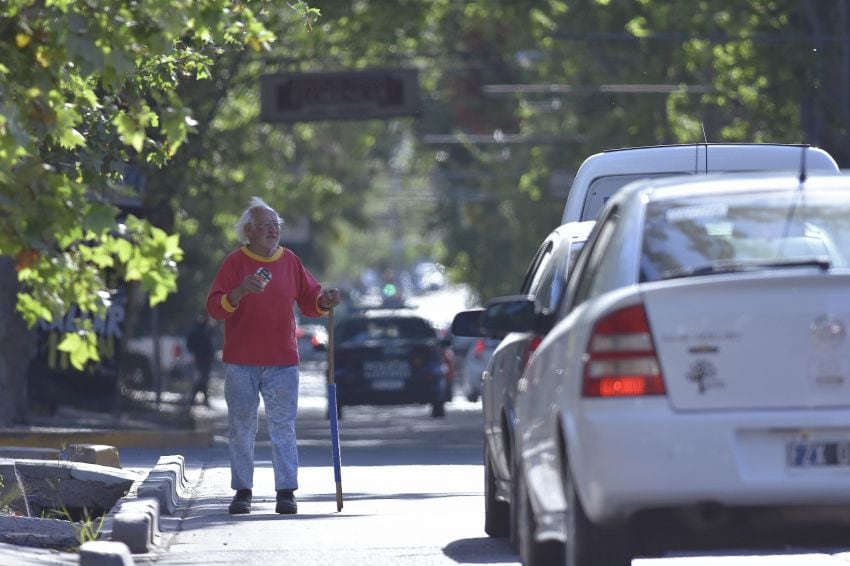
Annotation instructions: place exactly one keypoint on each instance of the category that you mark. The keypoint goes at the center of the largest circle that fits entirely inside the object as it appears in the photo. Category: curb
(58, 438)
(133, 523)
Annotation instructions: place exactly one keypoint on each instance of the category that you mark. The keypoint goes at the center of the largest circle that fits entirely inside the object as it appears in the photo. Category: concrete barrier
(166, 483)
(105, 553)
(12, 491)
(99, 454)
(54, 485)
(136, 524)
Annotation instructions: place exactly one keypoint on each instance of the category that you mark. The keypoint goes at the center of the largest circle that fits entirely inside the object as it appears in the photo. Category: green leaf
(81, 347)
(100, 217)
(131, 132)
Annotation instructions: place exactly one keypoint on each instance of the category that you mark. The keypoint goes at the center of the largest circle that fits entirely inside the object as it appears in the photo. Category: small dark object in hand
(265, 274)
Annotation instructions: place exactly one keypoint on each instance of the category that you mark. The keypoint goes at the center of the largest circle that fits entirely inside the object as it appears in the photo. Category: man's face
(264, 230)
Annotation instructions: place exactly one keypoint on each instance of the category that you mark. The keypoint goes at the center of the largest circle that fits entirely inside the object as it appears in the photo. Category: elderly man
(254, 292)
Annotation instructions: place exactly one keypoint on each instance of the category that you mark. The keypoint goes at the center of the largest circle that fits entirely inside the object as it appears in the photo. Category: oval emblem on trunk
(827, 331)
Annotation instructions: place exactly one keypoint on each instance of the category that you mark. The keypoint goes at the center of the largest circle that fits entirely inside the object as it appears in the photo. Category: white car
(603, 174)
(176, 363)
(698, 367)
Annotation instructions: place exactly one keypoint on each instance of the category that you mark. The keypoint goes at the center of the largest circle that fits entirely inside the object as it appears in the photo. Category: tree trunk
(17, 345)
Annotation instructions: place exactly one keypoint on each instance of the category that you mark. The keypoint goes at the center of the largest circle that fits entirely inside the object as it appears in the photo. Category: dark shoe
(286, 504)
(241, 504)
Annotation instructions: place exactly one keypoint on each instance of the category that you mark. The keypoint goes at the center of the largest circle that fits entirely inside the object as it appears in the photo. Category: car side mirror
(468, 323)
(515, 313)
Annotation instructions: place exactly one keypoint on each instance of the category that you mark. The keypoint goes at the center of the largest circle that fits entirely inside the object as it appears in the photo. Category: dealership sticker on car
(814, 454)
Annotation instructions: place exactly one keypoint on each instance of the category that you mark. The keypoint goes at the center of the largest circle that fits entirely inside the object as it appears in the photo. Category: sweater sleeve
(225, 281)
(310, 291)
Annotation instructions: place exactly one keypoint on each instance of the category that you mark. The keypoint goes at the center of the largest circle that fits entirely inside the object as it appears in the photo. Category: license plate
(384, 369)
(817, 454)
(387, 384)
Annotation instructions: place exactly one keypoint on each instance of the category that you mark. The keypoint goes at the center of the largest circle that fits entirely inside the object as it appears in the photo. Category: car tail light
(532, 347)
(479, 348)
(177, 351)
(620, 359)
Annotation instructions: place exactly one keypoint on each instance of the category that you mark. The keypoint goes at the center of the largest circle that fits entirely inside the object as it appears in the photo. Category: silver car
(695, 373)
(543, 284)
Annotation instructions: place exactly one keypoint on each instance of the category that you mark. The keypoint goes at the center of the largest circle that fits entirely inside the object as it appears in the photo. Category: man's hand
(252, 283)
(329, 298)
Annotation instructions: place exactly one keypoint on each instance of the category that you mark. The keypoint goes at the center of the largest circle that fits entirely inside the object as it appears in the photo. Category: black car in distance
(389, 357)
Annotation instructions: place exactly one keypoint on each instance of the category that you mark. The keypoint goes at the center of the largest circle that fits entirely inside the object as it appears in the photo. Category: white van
(603, 174)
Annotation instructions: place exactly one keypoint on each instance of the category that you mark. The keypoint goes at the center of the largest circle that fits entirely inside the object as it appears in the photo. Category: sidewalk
(400, 476)
(142, 423)
(142, 433)
(195, 435)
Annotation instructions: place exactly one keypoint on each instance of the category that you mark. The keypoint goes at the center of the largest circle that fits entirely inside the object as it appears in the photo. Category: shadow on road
(481, 550)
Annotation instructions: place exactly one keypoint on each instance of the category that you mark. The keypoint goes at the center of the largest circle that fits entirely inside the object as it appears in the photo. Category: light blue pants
(278, 385)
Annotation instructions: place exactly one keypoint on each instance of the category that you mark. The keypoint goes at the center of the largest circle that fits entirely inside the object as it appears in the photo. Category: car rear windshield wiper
(823, 263)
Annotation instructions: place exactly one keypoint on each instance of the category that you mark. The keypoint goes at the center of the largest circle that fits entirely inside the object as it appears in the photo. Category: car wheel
(438, 409)
(589, 544)
(497, 514)
(532, 552)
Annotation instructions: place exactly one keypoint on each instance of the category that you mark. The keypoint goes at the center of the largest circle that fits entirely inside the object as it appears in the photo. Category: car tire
(532, 552)
(497, 514)
(587, 543)
(438, 409)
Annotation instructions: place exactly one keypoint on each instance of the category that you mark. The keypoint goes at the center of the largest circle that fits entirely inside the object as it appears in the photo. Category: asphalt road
(413, 494)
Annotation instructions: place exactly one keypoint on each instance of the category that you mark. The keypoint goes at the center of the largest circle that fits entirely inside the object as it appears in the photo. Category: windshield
(722, 233)
(363, 329)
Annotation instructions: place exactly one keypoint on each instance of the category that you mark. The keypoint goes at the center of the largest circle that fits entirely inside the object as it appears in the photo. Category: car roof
(658, 189)
(383, 312)
(691, 159)
(575, 230)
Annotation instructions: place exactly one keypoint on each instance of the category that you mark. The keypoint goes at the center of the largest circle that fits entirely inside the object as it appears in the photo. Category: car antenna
(803, 166)
(792, 210)
(705, 139)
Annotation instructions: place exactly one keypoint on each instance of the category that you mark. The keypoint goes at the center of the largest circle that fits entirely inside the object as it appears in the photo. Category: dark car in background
(390, 357)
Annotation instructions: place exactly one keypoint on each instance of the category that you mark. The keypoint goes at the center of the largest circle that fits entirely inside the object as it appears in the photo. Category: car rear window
(362, 329)
(603, 188)
(704, 234)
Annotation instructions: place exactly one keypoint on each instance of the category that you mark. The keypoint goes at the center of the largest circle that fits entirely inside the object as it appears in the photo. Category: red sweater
(260, 330)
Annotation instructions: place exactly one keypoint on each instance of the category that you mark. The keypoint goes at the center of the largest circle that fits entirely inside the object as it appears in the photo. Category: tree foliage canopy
(89, 90)
(96, 95)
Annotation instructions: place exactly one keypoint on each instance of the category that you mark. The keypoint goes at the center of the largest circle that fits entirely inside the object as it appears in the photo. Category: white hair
(247, 218)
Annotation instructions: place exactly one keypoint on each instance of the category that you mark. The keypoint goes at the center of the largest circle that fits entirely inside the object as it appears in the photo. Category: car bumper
(410, 392)
(635, 457)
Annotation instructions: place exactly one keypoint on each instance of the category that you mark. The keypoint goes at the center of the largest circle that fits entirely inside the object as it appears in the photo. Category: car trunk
(778, 341)
(397, 359)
